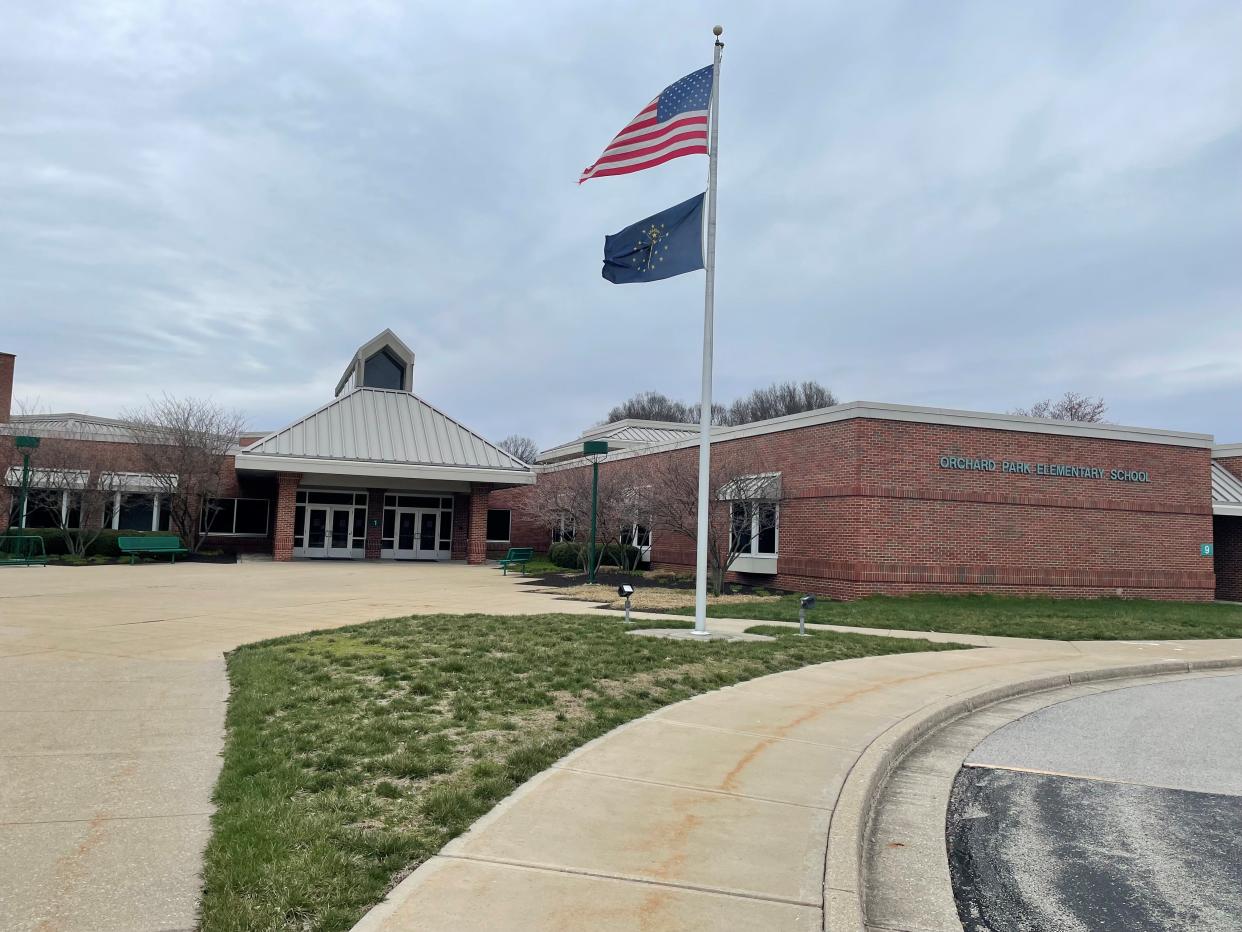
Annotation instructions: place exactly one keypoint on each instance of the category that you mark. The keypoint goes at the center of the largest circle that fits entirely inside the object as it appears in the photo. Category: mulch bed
(637, 580)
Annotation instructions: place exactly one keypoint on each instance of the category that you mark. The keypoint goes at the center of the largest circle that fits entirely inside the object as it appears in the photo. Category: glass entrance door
(327, 532)
(317, 532)
(403, 546)
(417, 534)
(428, 526)
(338, 546)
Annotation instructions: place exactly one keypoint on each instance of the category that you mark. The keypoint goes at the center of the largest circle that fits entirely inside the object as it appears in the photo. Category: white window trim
(156, 507)
(752, 561)
(644, 550)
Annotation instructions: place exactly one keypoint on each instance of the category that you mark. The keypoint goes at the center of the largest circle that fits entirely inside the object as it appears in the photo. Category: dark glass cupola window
(383, 370)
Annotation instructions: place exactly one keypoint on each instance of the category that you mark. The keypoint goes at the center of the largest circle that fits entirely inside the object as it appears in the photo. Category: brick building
(872, 498)
(377, 473)
(878, 498)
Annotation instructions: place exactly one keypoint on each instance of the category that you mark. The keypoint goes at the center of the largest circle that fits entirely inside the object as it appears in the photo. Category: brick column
(7, 497)
(476, 542)
(461, 524)
(375, 515)
(286, 502)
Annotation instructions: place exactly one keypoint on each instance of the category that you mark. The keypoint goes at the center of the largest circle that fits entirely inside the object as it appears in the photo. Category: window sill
(765, 563)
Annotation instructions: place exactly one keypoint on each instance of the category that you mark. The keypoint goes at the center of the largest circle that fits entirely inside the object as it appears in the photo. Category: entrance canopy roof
(384, 433)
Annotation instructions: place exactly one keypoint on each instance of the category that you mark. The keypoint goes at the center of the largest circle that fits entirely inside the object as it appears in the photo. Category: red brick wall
(286, 503)
(1231, 463)
(476, 542)
(869, 510)
(127, 457)
(522, 531)
(375, 516)
(1227, 533)
(461, 524)
(7, 361)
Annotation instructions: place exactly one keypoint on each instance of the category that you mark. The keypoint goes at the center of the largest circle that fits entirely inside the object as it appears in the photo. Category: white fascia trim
(614, 446)
(618, 426)
(269, 462)
(1220, 508)
(1226, 450)
(922, 415)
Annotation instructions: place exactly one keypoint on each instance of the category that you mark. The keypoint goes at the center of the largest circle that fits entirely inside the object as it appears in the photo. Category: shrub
(104, 545)
(566, 554)
(621, 555)
(53, 540)
(573, 555)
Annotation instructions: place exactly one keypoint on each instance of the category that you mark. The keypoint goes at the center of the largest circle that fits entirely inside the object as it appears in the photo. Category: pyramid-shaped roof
(384, 427)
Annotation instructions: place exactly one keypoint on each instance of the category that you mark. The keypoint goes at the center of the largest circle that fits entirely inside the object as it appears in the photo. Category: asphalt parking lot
(1118, 811)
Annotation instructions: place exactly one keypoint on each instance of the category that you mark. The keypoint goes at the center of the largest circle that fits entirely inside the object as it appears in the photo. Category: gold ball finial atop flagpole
(717, 30)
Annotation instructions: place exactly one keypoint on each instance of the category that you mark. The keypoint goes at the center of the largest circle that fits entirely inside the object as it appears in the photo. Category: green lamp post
(594, 449)
(25, 444)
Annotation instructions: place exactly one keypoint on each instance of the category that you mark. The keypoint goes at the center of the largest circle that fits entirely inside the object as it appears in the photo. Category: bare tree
(777, 400)
(745, 497)
(523, 448)
(563, 497)
(184, 444)
(653, 406)
(72, 485)
(1069, 407)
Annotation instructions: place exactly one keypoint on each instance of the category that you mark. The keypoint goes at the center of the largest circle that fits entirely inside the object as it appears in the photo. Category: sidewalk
(714, 813)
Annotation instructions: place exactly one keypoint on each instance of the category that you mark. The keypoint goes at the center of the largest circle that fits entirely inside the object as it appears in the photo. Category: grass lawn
(353, 755)
(1062, 619)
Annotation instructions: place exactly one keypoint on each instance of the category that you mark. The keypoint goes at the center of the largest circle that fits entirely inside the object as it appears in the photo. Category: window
(446, 531)
(236, 516)
(753, 530)
(636, 536)
(498, 522)
(383, 370)
(137, 512)
(251, 516)
(43, 507)
(564, 531)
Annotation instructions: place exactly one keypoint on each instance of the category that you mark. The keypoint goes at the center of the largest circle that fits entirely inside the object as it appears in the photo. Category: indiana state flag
(665, 244)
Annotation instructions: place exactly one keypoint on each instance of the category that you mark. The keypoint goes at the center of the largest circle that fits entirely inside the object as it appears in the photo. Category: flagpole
(705, 403)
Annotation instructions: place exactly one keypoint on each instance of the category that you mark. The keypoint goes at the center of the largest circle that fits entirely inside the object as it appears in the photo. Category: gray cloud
(976, 205)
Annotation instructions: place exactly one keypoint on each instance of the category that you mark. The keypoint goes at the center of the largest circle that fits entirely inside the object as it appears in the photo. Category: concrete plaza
(112, 698)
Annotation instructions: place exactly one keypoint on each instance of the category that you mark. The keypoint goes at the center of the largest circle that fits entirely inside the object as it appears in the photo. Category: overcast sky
(972, 205)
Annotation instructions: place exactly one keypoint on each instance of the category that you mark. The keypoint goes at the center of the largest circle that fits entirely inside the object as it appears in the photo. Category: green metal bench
(22, 550)
(136, 545)
(515, 556)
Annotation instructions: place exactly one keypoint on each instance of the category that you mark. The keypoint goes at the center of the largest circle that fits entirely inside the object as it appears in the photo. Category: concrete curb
(844, 887)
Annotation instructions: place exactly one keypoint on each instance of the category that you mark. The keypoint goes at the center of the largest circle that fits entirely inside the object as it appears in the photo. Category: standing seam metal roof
(1226, 487)
(386, 426)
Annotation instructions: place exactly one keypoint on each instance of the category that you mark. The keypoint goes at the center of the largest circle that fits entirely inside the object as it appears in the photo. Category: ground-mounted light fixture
(804, 603)
(625, 592)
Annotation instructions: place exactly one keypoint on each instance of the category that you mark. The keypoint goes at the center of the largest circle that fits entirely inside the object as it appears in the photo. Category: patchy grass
(540, 565)
(1060, 619)
(648, 598)
(353, 755)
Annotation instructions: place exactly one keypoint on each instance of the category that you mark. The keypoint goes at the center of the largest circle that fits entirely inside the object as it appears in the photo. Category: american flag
(672, 125)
